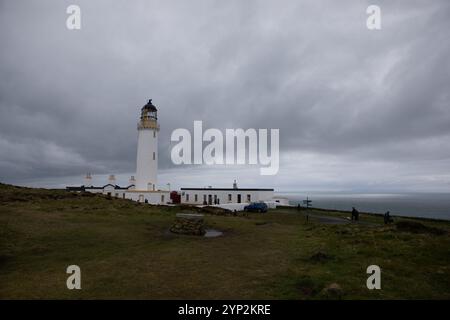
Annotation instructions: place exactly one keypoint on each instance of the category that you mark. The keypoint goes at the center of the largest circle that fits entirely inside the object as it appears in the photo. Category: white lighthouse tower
(143, 186)
(147, 149)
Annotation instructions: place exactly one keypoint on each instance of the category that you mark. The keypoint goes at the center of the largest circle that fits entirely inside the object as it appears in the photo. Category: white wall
(281, 201)
(222, 196)
(153, 197)
(156, 197)
(146, 166)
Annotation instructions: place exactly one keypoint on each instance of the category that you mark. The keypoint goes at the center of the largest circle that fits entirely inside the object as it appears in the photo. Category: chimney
(112, 180)
(88, 180)
(235, 185)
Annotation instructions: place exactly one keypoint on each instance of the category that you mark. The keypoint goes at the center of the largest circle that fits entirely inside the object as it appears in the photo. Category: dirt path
(336, 220)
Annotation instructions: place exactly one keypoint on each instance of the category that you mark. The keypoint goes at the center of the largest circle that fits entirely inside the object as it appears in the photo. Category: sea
(424, 205)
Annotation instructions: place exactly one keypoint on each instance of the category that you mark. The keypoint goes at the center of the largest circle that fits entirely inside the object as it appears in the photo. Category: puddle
(211, 233)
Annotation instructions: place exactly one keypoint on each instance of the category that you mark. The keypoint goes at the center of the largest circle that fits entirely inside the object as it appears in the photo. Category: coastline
(424, 205)
(375, 214)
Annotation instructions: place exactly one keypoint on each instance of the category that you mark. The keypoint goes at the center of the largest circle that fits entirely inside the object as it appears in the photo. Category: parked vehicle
(256, 207)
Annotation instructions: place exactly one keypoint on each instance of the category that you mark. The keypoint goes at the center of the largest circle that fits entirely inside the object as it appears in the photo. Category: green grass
(125, 251)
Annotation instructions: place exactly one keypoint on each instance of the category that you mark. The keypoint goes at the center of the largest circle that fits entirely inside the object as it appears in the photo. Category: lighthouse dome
(149, 112)
(149, 106)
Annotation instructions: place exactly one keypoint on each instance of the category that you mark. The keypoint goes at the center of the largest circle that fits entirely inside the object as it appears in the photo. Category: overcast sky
(358, 110)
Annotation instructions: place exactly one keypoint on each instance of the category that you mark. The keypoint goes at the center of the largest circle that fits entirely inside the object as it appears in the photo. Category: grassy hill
(124, 250)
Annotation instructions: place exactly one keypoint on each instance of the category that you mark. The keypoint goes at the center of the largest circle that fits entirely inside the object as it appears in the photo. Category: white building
(147, 160)
(147, 148)
(282, 201)
(220, 196)
(143, 188)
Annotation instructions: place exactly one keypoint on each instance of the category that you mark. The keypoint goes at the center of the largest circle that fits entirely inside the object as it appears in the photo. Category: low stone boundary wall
(189, 223)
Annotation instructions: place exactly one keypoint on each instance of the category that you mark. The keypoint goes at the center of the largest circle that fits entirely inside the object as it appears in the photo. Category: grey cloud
(69, 100)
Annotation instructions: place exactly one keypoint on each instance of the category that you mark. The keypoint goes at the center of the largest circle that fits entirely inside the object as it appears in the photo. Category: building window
(117, 195)
(154, 155)
(162, 198)
(196, 197)
(123, 195)
(249, 198)
(187, 197)
(204, 199)
(229, 197)
(215, 199)
(154, 134)
(109, 194)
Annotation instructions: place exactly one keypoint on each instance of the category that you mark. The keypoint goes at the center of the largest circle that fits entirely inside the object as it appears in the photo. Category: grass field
(125, 251)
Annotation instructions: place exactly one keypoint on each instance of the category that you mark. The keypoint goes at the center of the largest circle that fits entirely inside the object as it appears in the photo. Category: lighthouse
(147, 149)
(143, 186)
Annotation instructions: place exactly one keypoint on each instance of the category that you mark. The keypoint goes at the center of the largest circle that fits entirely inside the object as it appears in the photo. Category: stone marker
(188, 223)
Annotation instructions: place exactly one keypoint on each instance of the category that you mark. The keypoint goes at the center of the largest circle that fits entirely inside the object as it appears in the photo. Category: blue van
(256, 207)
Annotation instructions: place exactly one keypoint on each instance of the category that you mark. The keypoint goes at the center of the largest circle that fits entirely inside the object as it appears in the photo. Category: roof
(116, 187)
(75, 188)
(149, 106)
(226, 189)
(83, 188)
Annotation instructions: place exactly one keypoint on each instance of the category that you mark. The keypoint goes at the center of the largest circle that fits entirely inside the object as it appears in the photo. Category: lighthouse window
(154, 155)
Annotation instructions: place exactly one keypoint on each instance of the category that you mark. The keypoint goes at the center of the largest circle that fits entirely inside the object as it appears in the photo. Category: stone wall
(186, 223)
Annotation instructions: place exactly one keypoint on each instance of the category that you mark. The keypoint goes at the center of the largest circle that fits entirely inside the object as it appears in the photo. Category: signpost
(308, 203)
